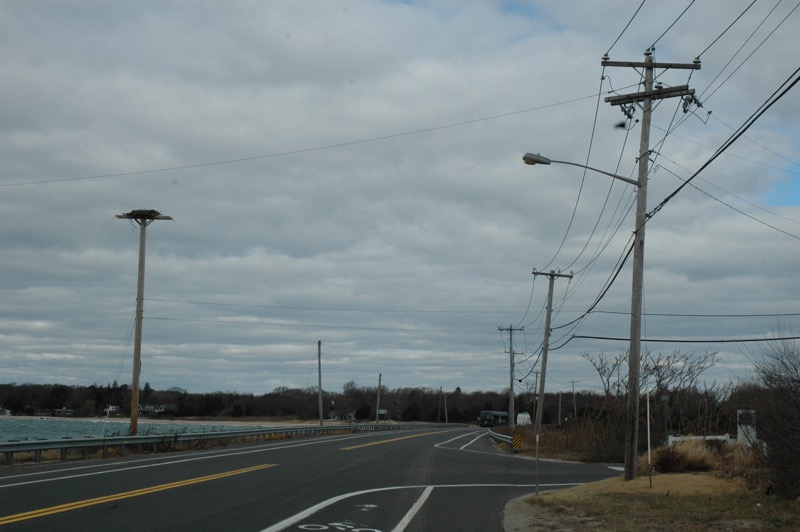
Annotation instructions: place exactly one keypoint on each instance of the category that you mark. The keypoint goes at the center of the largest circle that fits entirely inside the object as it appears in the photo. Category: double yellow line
(125, 495)
(381, 442)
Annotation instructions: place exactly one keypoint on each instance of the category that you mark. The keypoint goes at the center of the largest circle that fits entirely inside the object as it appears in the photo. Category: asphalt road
(384, 481)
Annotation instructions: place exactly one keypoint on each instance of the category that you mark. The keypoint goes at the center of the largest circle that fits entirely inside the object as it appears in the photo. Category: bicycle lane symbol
(348, 526)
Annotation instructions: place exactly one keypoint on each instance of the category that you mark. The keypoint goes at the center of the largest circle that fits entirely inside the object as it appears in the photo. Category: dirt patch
(686, 502)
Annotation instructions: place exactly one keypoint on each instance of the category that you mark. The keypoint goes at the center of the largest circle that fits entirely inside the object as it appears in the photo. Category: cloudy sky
(351, 172)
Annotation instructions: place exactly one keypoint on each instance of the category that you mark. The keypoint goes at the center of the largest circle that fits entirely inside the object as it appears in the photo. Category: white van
(523, 418)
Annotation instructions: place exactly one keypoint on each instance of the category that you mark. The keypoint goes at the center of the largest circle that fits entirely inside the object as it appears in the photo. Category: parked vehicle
(492, 418)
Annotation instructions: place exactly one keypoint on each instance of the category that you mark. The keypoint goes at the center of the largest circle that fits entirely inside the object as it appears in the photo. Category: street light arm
(531, 158)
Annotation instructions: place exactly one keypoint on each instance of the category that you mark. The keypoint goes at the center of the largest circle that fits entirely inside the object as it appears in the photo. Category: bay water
(23, 428)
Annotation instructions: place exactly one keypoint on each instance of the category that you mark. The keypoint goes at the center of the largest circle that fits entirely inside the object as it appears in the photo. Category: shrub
(683, 456)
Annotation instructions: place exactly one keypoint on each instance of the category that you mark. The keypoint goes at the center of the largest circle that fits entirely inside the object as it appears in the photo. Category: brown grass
(687, 501)
(717, 487)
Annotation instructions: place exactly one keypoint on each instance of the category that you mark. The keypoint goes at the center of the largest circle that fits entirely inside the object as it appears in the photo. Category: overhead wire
(298, 151)
(702, 94)
(762, 222)
(729, 27)
(626, 27)
(580, 188)
(776, 96)
(653, 46)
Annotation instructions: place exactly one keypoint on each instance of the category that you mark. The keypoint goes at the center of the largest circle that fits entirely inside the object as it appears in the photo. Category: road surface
(419, 480)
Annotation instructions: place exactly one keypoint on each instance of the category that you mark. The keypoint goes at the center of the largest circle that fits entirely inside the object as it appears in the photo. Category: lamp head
(535, 158)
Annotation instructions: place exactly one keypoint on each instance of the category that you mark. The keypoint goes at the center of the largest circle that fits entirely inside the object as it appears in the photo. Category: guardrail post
(37, 456)
(63, 454)
(9, 458)
(85, 453)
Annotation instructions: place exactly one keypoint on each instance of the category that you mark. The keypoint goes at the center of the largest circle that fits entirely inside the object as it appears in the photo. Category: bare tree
(676, 370)
(610, 372)
(777, 369)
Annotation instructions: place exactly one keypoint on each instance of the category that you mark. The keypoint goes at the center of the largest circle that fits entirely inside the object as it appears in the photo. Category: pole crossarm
(694, 65)
(655, 94)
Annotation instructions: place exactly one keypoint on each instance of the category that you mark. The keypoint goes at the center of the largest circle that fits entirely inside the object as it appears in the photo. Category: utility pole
(143, 218)
(439, 407)
(319, 378)
(646, 97)
(511, 419)
(559, 408)
(574, 402)
(378, 407)
(545, 347)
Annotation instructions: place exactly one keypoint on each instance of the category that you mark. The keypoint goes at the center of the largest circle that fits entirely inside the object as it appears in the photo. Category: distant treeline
(686, 410)
(354, 402)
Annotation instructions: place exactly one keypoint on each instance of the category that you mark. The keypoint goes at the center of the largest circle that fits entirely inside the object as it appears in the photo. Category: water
(35, 428)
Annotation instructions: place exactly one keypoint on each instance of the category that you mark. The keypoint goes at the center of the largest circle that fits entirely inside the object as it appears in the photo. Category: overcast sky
(351, 172)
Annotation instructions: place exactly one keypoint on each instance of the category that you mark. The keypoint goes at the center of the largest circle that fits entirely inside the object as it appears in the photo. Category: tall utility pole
(378, 406)
(319, 378)
(543, 366)
(646, 97)
(511, 419)
(143, 218)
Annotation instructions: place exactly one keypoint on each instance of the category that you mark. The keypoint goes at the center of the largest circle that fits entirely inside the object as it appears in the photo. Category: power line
(335, 309)
(676, 315)
(726, 29)
(626, 27)
(684, 341)
(774, 98)
(306, 325)
(653, 46)
(732, 207)
(295, 152)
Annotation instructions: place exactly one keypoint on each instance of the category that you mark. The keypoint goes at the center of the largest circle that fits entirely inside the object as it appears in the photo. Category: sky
(350, 172)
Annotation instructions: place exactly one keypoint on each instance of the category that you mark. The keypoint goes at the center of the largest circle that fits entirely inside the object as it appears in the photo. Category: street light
(634, 351)
(535, 158)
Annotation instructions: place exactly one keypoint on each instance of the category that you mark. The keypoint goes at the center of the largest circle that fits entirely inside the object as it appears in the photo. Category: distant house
(63, 412)
(111, 409)
(4, 412)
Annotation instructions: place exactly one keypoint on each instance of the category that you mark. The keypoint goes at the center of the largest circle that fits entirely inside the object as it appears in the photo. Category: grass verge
(685, 501)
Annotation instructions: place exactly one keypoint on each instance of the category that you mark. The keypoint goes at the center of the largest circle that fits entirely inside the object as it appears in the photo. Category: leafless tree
(777, 368)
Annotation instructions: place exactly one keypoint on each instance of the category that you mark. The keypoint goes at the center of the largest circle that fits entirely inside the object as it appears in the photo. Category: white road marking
(289, 521)
(401, 526)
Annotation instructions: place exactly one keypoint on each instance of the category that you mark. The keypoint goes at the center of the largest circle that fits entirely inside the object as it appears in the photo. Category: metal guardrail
(182, 441)
(501, 437)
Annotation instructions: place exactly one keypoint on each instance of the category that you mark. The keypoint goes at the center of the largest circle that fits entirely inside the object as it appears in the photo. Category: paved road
(411, 480)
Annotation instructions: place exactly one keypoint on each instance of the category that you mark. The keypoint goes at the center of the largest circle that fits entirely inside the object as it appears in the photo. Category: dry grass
(717, 487)
(687, 501)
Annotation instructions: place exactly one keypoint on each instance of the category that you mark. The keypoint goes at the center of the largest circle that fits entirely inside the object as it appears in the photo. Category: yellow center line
(125, 495)
(389, 441)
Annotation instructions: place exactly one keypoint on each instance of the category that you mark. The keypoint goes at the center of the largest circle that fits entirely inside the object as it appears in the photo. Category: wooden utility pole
(378, 406)
(646, 97)
(319, 378)
(143, 218)
(511, 419)
(543, 366)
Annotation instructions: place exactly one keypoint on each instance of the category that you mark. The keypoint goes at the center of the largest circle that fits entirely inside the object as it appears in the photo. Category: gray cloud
(352, 173)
